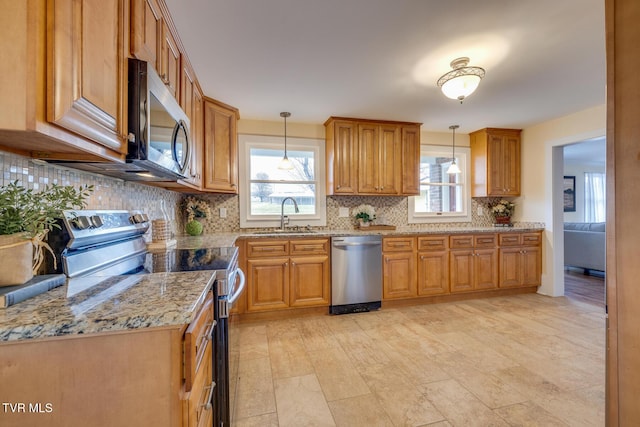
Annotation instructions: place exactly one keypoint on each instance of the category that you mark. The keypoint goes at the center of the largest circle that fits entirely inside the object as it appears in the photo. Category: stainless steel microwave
(158, 128)
(158, 132)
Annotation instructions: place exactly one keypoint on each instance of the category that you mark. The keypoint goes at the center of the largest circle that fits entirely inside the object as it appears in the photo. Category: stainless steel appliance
(356, 273)
(158, 146)
(94, 244)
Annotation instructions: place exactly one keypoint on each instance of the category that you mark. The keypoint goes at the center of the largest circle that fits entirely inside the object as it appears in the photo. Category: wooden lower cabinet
(287, 273)
(473, 262)
(124, 378)
(520, 260)
(268, 283)
(433, 273)
(399, 275)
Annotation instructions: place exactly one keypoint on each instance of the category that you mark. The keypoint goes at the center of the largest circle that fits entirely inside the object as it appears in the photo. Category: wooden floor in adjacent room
(585, 288)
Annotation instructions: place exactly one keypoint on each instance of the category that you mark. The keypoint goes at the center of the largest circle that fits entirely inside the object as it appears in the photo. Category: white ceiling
(380, 59)
(591, 152)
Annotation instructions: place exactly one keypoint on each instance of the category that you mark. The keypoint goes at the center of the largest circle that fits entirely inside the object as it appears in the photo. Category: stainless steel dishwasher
(356, 274)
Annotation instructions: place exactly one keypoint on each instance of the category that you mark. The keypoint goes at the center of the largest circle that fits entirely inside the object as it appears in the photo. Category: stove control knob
(96, 221)
(145, 218)
(81, 222)
(136, 219)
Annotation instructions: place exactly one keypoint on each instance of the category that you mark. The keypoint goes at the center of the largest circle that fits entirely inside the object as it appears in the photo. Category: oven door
(227, 344)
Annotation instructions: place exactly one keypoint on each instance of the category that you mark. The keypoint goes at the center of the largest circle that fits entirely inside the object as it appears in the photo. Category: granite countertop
(400, 231)
(114, 304)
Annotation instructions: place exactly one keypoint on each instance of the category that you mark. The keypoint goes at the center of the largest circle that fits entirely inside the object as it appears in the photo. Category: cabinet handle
(337, 187)
(207, 404)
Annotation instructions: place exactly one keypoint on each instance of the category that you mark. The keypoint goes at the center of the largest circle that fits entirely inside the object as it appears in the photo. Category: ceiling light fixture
(462, 81)
(285, 164)
(453, 169)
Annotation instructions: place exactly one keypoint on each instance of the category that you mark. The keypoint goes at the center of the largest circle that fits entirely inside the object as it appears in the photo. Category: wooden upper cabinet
(169, 70)
(86, 70)
(342, 152)
(220, 147)
(495, 162)
(146, 31)
(192, 102)
(410, 151)
(370, 157)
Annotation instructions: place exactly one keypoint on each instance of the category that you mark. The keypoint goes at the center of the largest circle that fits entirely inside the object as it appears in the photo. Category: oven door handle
(239, 289)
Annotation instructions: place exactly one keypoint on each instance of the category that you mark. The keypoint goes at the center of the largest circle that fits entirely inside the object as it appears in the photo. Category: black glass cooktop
(173, 260)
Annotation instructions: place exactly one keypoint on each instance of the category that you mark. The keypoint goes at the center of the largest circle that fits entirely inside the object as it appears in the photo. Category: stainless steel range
(94, 244)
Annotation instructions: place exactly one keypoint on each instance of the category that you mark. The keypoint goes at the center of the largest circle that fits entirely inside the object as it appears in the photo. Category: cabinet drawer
(197, 340)
(510, 239)
(196, 406)
(309, 247)
(531, 239)
(484, 241)
(433, 243)
(398, 244)
(461, 241)
(267, 248)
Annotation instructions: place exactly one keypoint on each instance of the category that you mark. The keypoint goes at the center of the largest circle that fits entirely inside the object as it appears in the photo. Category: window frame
(463, 160)
(245, 143)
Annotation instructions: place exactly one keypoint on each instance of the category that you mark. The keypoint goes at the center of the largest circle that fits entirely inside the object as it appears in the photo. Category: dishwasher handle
(342, 244)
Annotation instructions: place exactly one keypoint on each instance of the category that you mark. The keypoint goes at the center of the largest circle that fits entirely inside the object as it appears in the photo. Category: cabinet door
(410, 170)
(146, 31)
(368, 158)
(531, 266)
(461, 270)
(495, 166)
(511, 165)
(191, 102)
(86, 87)
(220, 148)
(433, 273)
(310, 281)
(389, 160)
(169, 61)
(485, 269)
(344, 152)
(399, 275)
(510, 267)
(267, 284)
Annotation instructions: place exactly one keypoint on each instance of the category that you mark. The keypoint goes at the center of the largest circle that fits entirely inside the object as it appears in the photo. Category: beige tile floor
(524, 360)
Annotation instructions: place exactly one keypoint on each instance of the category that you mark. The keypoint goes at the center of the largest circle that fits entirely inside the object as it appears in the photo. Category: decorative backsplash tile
(109, 193)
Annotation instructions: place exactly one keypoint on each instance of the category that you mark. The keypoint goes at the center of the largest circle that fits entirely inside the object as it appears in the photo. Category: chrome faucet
(282, 217)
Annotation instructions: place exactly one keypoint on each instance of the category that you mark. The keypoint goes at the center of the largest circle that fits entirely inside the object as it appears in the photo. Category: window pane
(433, 169)
(264, 163)
(439, 198)
(266, 199)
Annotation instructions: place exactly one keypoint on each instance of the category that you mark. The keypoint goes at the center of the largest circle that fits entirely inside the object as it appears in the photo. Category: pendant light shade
(285, 163)
(462, 81)
(454, 169)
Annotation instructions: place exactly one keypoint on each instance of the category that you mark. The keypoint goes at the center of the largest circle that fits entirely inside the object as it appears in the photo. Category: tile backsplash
(111, 193)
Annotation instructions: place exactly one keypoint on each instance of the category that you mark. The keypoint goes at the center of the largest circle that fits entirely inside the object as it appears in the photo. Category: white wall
(542, 173)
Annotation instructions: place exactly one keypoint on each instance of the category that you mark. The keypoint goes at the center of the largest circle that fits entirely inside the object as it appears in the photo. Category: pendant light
(453, 169)
(285, 164)
(462, 81)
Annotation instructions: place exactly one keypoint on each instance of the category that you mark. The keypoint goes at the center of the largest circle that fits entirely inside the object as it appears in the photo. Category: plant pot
(362, 223)
(16, 260)
(503, 220)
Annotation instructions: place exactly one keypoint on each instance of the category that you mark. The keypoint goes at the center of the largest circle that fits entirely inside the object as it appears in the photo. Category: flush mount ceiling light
(285, 164)
(462, 81)
(453, 169)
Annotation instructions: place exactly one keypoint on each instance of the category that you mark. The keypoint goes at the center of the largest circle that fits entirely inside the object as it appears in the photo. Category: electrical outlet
(480, 211)
(223, 212)
(343, 212)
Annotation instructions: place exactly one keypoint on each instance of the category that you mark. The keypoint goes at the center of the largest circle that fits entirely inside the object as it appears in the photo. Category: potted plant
(365, 214)
(196, 210)
(502, 211)
(26, 216)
